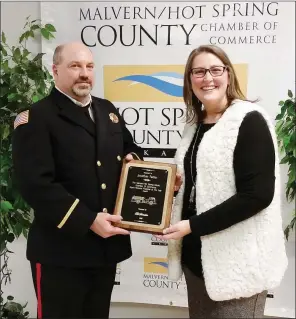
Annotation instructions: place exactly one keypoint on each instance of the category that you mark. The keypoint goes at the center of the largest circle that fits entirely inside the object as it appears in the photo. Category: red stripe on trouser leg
(38, 283)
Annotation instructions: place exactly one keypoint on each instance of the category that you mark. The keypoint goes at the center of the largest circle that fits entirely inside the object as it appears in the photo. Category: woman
(226, 229)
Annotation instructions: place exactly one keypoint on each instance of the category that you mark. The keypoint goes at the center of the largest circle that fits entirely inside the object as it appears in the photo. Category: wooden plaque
(145, 196)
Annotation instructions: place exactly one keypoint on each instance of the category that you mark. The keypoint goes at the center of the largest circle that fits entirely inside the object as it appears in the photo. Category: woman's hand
(178, 182)
(176, 231)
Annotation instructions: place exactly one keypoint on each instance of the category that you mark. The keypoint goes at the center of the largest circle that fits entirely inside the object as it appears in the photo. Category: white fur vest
(248, 257)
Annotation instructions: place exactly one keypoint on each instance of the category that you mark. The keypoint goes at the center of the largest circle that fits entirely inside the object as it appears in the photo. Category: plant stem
(5, 272)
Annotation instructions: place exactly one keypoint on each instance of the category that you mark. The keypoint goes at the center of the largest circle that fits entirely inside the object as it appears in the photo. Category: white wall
(13, 16)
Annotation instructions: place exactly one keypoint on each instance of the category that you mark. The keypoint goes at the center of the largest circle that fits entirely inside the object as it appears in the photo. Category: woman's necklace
(191, 198)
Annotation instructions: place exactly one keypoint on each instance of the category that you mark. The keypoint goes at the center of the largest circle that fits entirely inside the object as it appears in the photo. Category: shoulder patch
(21, 118)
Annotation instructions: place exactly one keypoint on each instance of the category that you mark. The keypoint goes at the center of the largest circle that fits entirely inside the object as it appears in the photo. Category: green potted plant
(24, 80)
(286, 135)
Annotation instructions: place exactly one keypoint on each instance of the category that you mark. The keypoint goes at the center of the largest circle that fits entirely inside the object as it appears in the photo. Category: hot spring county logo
(158, 81)
(155, 83)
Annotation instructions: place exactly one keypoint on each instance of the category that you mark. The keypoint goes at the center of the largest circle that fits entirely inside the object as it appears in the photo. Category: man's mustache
(83, 81)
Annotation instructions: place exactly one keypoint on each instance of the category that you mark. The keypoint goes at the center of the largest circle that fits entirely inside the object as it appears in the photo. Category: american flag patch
(22, 118)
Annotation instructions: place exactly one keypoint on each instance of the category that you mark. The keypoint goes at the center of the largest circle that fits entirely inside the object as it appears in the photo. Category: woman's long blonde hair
(194, 111)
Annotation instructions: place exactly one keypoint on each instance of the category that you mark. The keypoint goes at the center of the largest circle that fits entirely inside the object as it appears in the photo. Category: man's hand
(102, 225)
(176, 231)
(178, 182)
(129, 157)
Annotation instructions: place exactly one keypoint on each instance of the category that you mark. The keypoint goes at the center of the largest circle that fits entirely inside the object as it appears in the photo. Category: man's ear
(54, 69)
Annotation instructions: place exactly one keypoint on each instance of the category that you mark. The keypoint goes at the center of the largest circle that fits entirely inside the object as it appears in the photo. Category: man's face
(74, 75)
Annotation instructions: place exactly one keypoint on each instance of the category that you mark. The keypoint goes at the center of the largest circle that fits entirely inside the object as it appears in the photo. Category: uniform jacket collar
(70, 111)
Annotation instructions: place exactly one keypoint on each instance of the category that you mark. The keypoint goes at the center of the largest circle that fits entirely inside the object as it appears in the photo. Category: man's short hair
(57, 55)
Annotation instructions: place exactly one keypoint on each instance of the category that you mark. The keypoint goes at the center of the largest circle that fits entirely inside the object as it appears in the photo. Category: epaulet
(22, 118)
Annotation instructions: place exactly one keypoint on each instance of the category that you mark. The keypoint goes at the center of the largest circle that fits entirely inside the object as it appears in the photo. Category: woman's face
(209, 88)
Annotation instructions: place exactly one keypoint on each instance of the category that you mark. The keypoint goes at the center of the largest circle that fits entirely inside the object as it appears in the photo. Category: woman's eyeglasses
(214, 71)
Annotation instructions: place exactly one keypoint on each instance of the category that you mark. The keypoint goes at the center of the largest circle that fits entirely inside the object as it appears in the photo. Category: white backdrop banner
(140, 51)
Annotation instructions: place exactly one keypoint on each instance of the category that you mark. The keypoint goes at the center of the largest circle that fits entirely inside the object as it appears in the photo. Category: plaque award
(145, 196)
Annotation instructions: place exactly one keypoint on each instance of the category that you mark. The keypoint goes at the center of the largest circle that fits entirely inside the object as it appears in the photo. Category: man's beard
(82, 89)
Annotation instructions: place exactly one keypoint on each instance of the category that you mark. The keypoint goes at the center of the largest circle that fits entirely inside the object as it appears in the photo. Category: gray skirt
(201, 306)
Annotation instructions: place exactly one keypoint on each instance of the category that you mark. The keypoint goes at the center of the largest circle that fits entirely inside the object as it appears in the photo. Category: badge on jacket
(21, 118)
(113, 118)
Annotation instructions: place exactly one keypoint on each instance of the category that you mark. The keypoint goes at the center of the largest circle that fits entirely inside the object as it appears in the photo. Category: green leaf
(25, 53)
(286, 232)
(18, 229)
(6, 206)
(35, 27)
(286, 128)
(50, 27)
(291, 110)
(5, 66)
(285, 160)
(35, 98)
(11, 96)
(38, 57)
(4, 90)
(25, 233)
(10, 298)
(281, 103)
(279, 124)
(279, 117)
(290, 227)
(2, 49)
(292, 175)
(2, 246)
(286, 140)
(3, 37)
(290, 94)
(22, 37)
(8, 223)
(289, 103)
(5, 132)
(45, 33)
(17, 54)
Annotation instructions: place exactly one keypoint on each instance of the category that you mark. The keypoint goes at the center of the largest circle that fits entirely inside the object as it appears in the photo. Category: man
(68, 150)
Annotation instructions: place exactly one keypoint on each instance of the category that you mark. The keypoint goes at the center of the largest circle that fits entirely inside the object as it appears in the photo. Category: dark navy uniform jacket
(67, 169)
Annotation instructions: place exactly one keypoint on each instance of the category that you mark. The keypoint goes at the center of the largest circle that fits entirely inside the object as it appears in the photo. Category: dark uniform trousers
(67, 168)
(64, 292)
